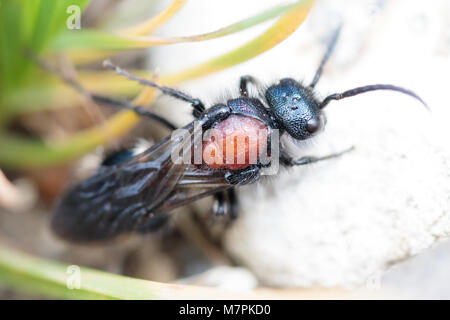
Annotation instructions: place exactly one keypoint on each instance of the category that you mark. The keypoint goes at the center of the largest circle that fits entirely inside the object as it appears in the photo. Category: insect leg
(233, 203)
(139, 110)
(326, 56)
(220, 204)
(111, 102)
(197, 104)
(243, 84)
(153, 224)
(225, 203)
(246, 176)
(310, 159)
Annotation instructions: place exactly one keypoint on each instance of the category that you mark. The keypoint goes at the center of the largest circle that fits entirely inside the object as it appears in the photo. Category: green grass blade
(27, 25)
(99, 40)
(43, 277)
(46, 278)
(39, 276)
(153, 23)
(10, 45)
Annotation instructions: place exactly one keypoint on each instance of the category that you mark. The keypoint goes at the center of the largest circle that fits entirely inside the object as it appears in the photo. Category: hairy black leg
(153, 224)
(111, 102)
(196, 103)
(243, 84)
(225, 203)
(139, 110)
(220, 204)
(233, 205)
(310, 159)
(214, 114)
(326, 56)
(246, 176)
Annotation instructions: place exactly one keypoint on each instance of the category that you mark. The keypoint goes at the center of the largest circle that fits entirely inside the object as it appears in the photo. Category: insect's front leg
(248, 175)
(288, 161)
(243, 84)
(220, 205)
(226, 204)
(197, 104)
(214, 114)
(233, 204)
(153, 224)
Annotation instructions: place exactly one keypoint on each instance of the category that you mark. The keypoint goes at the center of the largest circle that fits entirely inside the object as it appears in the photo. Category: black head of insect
(295, 108)
(299, 112)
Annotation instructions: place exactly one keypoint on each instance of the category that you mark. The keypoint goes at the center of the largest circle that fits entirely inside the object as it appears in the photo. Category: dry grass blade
(44, 277)
(151, 24)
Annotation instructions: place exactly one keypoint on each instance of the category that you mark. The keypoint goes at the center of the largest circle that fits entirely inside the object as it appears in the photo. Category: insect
(134, 192)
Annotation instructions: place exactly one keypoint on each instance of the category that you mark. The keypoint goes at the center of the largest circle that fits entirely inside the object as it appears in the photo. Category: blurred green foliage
(28, 25)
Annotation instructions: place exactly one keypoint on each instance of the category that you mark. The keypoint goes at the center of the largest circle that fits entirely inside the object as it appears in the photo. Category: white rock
(224, 277)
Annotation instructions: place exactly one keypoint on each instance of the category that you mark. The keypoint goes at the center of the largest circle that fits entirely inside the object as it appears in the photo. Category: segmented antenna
(374, 87)
(326, 56)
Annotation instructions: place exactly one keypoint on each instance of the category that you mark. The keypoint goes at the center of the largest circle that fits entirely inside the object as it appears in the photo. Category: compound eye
(314, 125)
